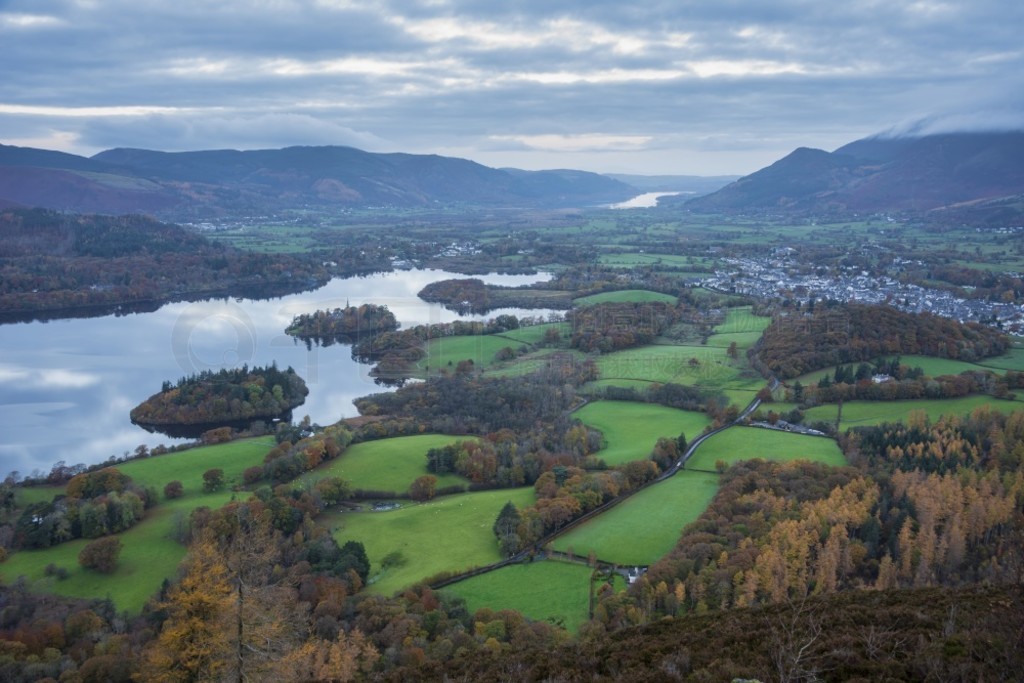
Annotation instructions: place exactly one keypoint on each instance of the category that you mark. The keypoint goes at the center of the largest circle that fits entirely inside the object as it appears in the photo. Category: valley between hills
(774, 432)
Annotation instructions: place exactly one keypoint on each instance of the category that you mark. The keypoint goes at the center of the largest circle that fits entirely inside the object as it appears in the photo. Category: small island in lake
(343, 324)
(228, 397)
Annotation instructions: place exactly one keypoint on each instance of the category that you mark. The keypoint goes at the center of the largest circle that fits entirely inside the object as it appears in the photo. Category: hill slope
(212, 182)
(883, 174)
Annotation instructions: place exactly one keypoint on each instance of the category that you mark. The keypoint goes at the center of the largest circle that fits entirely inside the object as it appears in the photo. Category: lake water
(66, 386)
(643, 201)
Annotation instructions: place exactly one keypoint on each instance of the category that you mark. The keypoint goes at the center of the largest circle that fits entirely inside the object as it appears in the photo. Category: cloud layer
(654, 87)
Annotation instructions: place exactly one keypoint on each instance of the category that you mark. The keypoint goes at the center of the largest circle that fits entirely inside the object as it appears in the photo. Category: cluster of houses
(769, 278)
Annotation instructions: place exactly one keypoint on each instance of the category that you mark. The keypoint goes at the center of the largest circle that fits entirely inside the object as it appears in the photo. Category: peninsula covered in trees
(223, 397)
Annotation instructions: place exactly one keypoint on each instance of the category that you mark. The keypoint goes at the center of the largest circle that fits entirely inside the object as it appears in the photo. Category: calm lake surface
(643, 201)
(66, 386)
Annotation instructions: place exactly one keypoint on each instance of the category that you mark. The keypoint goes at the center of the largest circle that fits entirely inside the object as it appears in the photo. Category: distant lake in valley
(66, 386)
(644, 201)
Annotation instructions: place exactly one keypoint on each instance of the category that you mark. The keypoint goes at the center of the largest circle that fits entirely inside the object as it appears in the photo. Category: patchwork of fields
(454, 533)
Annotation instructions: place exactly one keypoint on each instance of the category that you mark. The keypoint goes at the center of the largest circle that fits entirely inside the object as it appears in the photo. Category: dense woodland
(610, 327)
(226, 396)
(804, 340)
(471, 295)
(51, 260)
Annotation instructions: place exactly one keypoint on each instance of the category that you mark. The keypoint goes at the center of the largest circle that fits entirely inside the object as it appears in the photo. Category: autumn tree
(423, 488)
(231, 617)
(194, 642)
(174, 489)
(101, 554)
(213, 480)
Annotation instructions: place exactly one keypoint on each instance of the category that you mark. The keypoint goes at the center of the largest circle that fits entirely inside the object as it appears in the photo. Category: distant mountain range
(229, 182)
(983, 171)
(966, 175)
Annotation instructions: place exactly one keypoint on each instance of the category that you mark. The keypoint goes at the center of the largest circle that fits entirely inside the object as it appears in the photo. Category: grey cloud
(764, 76)
(181, 133)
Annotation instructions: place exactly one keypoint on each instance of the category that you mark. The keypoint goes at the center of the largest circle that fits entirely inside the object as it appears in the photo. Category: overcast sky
(648, 86)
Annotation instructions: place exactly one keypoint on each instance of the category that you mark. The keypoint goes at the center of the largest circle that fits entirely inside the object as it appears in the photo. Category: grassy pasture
(27, 495)
(188, 466)
(1011, 360)
(547, 590)
(744, 443)
(184, 466)
(631, 260)
(631, 429)
(530, 362)
(645, 526)
(741, 320)
(625, 296)
(935, 367)
(863, 413)
(149, 556)
(387, 464)
(452, 533)
(664, 363)
(446, 352)
(532, 334)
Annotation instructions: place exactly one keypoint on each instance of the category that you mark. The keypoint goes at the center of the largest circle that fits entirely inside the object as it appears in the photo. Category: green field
(645, 526)
(744, 443)
(741, 320)
(625, 296)
(532, 334)
(548, 590)
(185, 466)
(936, 367)
(149, 556)
(446, 352)
(452, 533)
(664, 363)
(631, 429)
(631, 260)
(387, 464)
(188, 466)
(1011, 360)
(862, 413)
(531, 362)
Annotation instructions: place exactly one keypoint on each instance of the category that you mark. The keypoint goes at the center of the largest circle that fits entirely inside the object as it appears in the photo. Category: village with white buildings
(772, 277)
